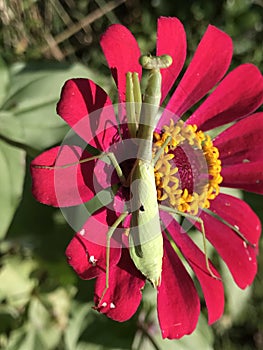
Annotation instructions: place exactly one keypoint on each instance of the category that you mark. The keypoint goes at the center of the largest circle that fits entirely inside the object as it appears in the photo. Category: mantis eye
(155, 62)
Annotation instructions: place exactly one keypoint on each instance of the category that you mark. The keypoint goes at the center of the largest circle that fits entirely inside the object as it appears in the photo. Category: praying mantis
(145, 233)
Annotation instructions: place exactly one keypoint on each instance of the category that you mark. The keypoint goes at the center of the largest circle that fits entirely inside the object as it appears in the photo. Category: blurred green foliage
(43, 304)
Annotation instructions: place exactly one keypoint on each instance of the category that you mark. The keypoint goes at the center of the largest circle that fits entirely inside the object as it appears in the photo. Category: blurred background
(43, 304)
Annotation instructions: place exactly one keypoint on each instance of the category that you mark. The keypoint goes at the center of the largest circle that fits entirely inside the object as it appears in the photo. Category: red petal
(238, 95)
(87, 250)
(123, 296)
(212, 288)
(171, 27)
(97, 226)
(241, 153)
(122, 53)
(125, 150)
(208, 66)
(62, 186)
(246, 176)
(242, 142)
(88, 110)
(178, 301)
(239, 256)
(87, 258)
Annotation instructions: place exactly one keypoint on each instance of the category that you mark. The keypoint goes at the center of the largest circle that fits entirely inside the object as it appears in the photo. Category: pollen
(187, 173)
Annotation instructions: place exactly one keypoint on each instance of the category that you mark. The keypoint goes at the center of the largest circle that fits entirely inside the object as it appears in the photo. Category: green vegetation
(43, 303)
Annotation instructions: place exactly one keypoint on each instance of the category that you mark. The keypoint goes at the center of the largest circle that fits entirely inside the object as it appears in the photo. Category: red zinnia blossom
(236, 97)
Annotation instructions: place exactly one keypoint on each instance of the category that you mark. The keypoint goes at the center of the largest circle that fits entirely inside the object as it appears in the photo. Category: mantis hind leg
(201, 222)
(110, 155)
(108, 238)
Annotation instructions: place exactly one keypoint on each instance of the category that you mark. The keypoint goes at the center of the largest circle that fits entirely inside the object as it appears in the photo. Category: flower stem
(145, 332)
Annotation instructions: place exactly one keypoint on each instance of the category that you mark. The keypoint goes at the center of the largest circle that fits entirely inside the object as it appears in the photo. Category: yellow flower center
(187, 173)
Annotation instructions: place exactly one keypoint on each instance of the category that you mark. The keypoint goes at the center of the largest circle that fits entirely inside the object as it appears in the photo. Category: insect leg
(201, 222)
(109, 235)
(133, 102)
(109, 155)
(234, 228)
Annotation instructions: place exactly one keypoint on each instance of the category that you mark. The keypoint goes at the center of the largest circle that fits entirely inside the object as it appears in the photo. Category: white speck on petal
(246, 160)
(82, 232)
(249, 258)
(92, 260)
(245, 244)
(227, 204)
(112, 306)
(104, 304)
(257, 181)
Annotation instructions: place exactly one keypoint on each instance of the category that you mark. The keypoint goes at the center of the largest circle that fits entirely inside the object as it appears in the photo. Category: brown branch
(74, 28)
(53, 47)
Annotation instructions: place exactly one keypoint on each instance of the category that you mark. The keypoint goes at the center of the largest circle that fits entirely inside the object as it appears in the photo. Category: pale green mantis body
(145, 233)
(145, 236)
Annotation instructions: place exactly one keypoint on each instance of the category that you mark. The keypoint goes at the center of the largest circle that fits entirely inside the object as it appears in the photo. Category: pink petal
(208, 66)
(125, 151)
(246, 176)
(86, 252)
(242, 142)
(239, 256)
(122, 54)
(97, 226)
(171, 28)
(87, 258)
(212, 288)
(62, 186)
(88, 110)
(241, 153)
(178, 301)
(123, 296)
(239, 94)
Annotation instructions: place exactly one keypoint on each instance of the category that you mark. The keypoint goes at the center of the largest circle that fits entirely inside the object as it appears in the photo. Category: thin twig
(74, 28)
(54, 49)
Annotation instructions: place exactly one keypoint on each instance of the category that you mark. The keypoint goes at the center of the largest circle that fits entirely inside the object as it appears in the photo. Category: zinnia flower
(62, 177)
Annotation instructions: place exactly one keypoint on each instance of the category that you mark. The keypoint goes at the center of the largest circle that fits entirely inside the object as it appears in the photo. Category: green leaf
(23, 74)
(31, 104)
(79, 321)
(12, 160)
(201, 338)
(8, 315)
(38, 332)
(4, 74)
(16, 338)
(44, 331)
(11, 128)
(16, 272)
(236, 298)
(106, 334)
(27, 133)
